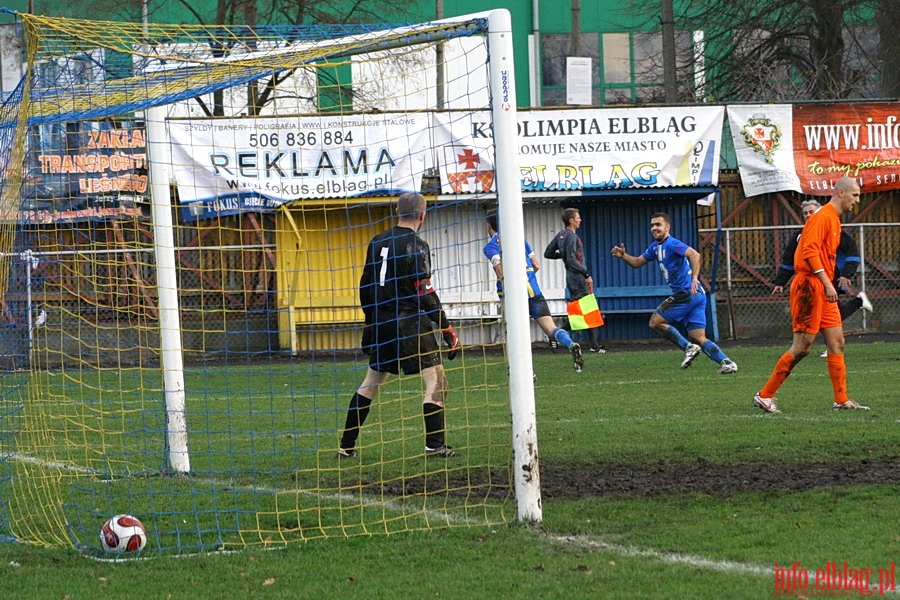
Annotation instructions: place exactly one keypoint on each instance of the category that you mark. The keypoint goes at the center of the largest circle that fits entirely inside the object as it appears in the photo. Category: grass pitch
(657, 483)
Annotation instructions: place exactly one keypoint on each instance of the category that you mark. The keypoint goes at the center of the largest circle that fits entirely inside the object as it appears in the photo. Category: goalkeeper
(400, 306)
(537, 304)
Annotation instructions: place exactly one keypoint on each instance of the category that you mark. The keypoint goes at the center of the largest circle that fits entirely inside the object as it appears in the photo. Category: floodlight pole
(515, 300)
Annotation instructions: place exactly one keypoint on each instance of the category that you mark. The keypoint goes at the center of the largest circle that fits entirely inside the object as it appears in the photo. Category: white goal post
(515, 301)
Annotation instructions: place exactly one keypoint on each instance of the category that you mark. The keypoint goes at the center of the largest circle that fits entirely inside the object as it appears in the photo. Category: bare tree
(789, 50)
(252, 13)
(294, 12)
(888, 19)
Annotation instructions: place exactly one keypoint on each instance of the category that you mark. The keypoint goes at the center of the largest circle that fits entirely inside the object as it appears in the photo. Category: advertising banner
(92, 173)
(808, 147)
(589, 149)
(226, 166)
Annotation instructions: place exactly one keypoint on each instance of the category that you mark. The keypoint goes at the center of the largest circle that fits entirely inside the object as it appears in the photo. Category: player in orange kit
(814, 298)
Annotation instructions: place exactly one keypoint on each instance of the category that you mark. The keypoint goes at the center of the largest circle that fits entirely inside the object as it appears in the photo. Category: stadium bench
(471, 306)
(631, 299)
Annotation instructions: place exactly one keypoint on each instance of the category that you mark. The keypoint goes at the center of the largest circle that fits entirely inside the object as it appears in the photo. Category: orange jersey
(819, 241)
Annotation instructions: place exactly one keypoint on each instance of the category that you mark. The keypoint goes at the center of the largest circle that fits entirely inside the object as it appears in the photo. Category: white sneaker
(728, 366)
(848, 405)
(767, 404)
(824, 354)
(690, 353)
(865, 301)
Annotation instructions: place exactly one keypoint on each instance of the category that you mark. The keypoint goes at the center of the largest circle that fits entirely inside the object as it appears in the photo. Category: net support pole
(171, 357)
(515, 300)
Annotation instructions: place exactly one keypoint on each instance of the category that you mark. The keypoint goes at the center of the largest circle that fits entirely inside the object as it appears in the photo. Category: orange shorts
(810, 311)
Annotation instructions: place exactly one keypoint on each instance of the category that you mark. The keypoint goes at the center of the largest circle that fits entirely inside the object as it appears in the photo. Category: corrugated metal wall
(321, 252)
(465, 279)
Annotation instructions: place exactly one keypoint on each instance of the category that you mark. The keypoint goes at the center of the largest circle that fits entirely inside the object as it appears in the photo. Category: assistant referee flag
(584, 313)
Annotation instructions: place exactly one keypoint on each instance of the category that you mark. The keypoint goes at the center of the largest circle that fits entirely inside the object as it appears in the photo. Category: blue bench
(631, 299)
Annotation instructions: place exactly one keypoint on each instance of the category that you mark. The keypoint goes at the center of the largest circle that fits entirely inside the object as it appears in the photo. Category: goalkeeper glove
(452, 341)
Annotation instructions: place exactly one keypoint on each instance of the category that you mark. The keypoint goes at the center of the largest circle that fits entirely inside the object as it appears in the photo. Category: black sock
(434, 425)
(850, 307)
(356, 416)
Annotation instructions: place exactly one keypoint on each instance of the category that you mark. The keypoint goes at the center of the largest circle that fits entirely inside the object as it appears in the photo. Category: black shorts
(407, 342)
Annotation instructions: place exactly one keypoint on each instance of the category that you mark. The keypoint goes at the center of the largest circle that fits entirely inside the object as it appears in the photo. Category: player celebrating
(680, 265)
(537, 304)
(400, 305)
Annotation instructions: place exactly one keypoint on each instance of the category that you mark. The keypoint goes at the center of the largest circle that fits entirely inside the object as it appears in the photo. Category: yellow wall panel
(320, 255)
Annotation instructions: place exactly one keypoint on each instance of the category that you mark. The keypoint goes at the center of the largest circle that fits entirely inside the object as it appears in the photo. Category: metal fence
(748, 262)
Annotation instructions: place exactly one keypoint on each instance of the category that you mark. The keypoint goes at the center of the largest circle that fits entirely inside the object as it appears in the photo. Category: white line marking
(725, 566)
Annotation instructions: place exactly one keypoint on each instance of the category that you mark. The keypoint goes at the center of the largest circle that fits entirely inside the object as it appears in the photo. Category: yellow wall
(320, 254)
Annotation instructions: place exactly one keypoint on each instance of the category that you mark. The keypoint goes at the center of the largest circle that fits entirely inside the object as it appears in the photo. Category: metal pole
(668, 42)
(535, 77)
(27, 257)
(440, 83)
(862, 268)
(575, 40)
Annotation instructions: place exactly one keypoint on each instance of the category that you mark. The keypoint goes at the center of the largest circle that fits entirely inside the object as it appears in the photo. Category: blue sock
(713, 351)
(674, 336)
(562, 336)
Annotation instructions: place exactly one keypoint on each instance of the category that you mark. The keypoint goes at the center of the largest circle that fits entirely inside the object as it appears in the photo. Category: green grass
(629, 411)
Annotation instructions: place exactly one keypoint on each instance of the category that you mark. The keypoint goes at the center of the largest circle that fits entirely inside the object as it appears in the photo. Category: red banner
(808, 147)
(861, 141)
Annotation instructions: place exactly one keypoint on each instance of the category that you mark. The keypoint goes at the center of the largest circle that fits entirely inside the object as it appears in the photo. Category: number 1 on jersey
(382, 275)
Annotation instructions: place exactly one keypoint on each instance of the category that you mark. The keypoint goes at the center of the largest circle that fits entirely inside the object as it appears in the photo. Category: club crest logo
(469, 170)
(761, 134)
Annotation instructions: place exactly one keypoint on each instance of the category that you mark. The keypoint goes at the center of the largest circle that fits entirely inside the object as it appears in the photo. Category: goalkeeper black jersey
(396, 279)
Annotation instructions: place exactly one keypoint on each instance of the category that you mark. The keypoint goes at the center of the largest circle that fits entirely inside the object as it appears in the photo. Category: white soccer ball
(123, 533)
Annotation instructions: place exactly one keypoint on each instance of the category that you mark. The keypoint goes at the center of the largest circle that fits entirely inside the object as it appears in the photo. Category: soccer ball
(123, 533)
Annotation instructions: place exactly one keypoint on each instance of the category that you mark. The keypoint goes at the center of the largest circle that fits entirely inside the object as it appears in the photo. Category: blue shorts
(538, 307)
(686, 309)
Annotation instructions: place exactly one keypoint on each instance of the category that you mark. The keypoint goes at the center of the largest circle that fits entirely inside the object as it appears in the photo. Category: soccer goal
(186, 212)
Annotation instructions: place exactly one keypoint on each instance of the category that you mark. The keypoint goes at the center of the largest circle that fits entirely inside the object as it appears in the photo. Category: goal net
(186, 212)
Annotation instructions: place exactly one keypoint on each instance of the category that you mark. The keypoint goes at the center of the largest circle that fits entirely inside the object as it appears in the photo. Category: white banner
(589, 149)
(226, 166)
(764, 146)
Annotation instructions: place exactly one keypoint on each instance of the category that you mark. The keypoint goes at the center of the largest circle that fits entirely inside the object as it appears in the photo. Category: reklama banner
(808, 147)
(227, 166)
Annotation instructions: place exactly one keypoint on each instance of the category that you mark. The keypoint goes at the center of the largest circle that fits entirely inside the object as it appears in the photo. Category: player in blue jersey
(401, 307)
(680, 265)
(537, 304)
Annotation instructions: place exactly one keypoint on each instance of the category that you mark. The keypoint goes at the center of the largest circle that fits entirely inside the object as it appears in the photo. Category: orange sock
(782, 369)
(837, 370)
